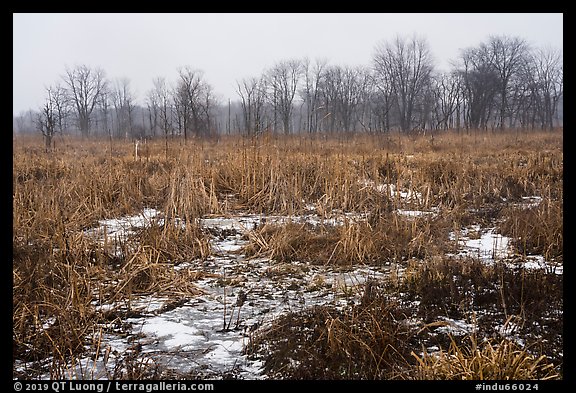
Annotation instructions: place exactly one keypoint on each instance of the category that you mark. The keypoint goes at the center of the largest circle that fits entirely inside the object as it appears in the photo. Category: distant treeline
(500, 83)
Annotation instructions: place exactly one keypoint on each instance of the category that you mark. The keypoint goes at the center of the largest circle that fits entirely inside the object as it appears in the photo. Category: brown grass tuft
(485, 361)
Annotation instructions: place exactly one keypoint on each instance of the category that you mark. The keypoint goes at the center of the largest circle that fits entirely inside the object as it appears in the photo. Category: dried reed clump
(537, 230)
(267, 182)
(292, 242)
(361, 342)
(59, 274)
(388, 238)
(486, 361)
(147, 263)
(52, 292)
(371, 340)
(456, 287)
(58, 285)
(171, 243)
(487, 177)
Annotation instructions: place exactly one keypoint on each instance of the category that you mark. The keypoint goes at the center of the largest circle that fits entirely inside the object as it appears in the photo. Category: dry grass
(486, 361)
(61, 275)
(457, 286)
(537, 230)
(389, 238)
(361, 342)
(490, 297)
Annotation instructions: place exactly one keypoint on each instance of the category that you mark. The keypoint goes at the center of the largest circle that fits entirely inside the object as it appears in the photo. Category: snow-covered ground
(391, 190)
(489, 246)
(484, 244)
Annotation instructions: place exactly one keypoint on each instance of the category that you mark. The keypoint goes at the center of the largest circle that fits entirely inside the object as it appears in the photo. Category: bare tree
(367, 112)
(163, 99)
(186, 93)
(193, 100)
(61, 106)
(49, 117)
(153, 108)
(480, 85)
(329, 99)
(252, 93)
(344, 89)
(104, 105)
(84, 87)
(382, 98)
(20, 123)
(508, 55)
(207, 105)
(406, 64)
(360, 94)
(548, 83)
(124, 106)
(446, 90)
(424, 107)
(311, 92)
(522, 98)
(283, 79)
(246, 90)
(159, 105)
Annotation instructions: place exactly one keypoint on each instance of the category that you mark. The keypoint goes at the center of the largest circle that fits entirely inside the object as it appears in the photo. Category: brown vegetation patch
(362, 342)
(537, 230)
(61, 275)
(501, 361)
(382, 239)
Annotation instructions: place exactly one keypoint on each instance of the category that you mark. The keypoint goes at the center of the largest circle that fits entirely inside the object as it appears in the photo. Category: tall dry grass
(61, 275)
(501, 361)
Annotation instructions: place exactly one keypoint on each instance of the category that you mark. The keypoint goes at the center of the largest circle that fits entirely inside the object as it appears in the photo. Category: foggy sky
(230, 47)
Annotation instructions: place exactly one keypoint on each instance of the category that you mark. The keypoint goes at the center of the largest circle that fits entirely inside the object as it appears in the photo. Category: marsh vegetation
(323, 257)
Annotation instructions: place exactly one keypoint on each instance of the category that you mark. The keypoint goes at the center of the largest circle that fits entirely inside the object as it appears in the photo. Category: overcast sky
(229, 47)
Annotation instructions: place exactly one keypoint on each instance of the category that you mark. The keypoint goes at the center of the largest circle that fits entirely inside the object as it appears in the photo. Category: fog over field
(230, 47)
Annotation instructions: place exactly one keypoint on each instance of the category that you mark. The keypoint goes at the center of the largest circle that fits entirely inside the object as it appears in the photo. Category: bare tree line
(500, 83)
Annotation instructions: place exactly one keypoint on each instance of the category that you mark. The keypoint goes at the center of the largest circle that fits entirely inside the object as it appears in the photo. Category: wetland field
(388, 257)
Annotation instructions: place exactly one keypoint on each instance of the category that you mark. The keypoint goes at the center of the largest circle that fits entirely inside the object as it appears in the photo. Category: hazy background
(229, 47)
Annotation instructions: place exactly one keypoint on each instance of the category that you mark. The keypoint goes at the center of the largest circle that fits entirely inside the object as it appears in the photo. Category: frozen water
(456, 327)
